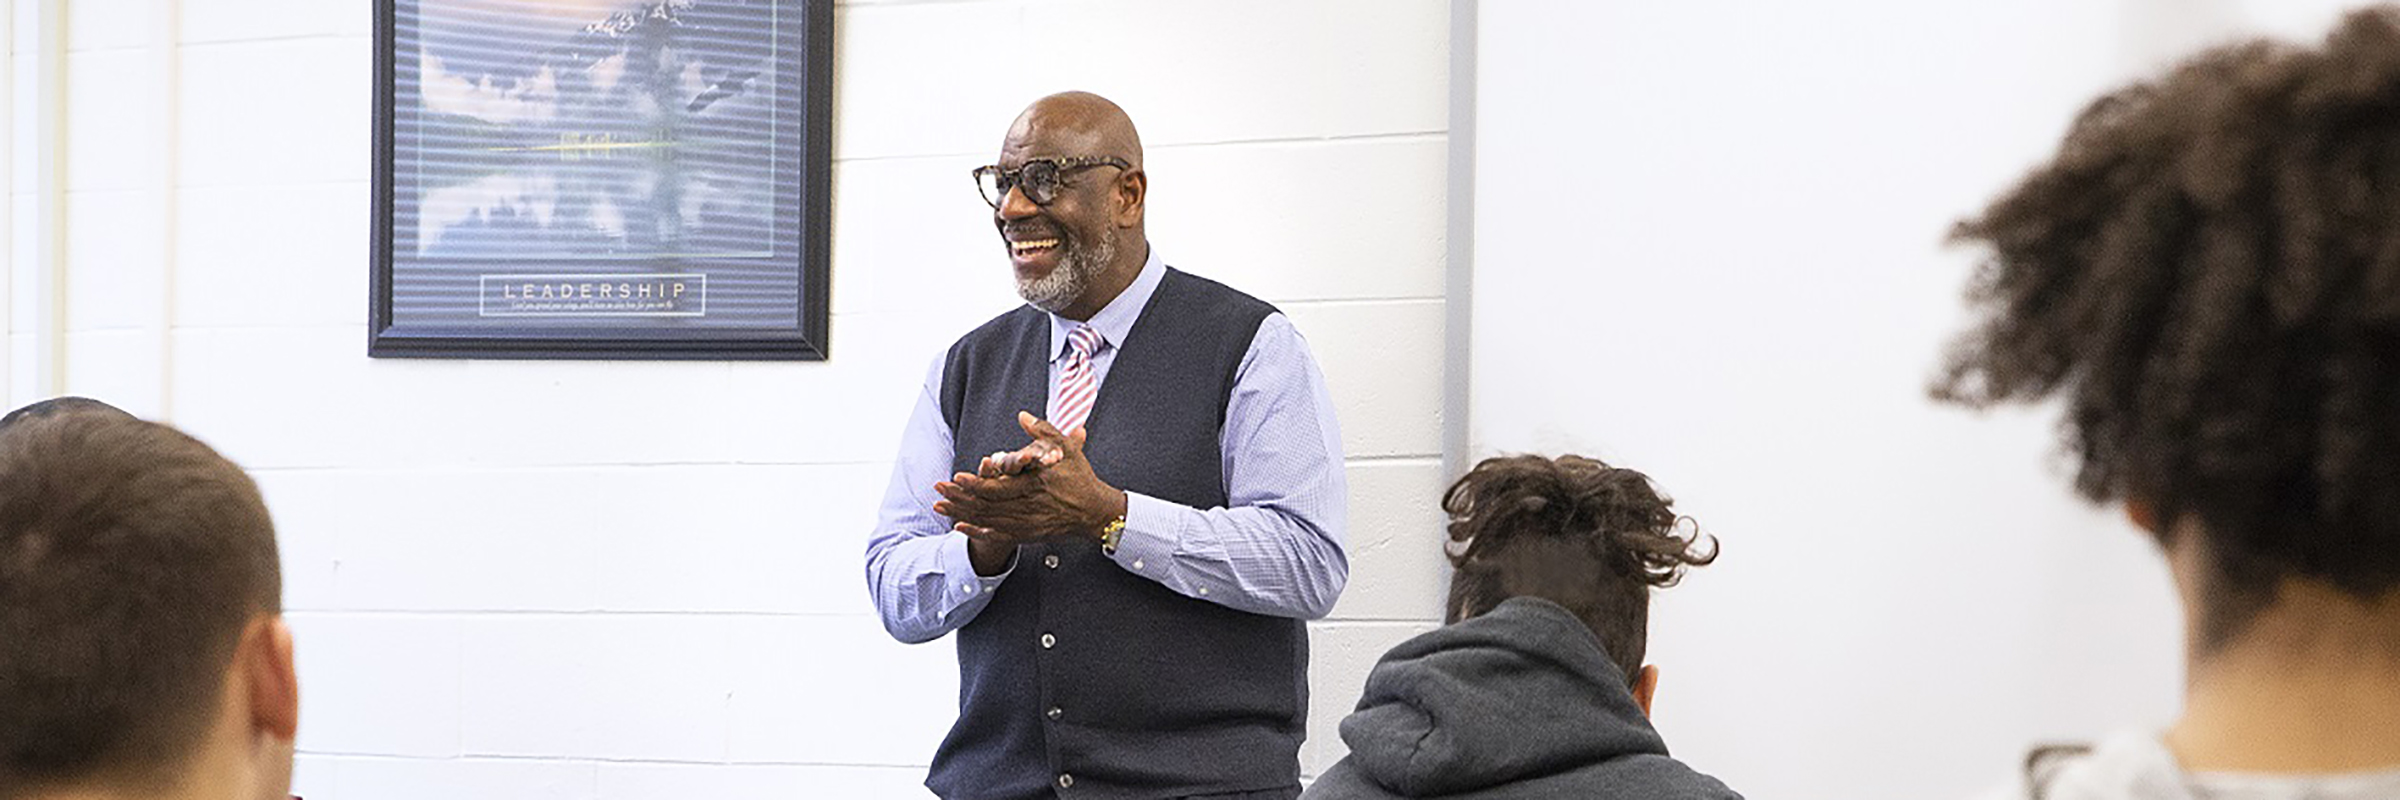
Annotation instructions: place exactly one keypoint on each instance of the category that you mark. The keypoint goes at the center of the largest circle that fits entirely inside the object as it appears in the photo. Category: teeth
(1036, 244)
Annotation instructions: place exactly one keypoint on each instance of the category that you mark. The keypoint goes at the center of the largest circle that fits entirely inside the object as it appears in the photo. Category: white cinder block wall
(644, 580)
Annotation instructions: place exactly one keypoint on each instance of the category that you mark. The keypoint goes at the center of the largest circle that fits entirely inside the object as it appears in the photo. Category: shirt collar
(1116, 319)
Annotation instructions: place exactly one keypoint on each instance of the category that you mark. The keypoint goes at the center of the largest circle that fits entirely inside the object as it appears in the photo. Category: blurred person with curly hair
(1537, 687)
(2207, 278)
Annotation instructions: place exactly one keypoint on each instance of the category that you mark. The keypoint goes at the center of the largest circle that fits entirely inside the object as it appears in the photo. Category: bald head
(1074, 235)
(1086, 123)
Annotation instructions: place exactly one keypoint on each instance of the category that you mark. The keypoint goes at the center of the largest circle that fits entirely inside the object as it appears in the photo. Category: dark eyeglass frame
(1040, 177)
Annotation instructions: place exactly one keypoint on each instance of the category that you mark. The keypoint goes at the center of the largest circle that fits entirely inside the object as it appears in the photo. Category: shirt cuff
(958, 571)
(1153, 529)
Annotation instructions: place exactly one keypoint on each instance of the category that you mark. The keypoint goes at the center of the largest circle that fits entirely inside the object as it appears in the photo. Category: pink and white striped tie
(1077, 386)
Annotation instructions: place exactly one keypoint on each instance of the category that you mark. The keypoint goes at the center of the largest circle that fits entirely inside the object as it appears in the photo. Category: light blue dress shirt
(1277, 548)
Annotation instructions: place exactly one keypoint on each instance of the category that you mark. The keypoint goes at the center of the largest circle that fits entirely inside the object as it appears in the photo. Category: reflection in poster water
(646, 132)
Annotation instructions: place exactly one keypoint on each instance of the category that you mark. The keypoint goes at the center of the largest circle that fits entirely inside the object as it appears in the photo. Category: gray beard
(1075, 272)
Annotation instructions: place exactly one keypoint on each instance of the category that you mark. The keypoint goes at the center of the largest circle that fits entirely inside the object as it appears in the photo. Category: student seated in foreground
(143, 653)
(1522, 695)
(2207, 279)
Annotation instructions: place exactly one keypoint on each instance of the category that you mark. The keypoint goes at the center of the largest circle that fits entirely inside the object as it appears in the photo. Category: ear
(268, 676)
(1133, 191)
(2143, 514)
(1645, 686)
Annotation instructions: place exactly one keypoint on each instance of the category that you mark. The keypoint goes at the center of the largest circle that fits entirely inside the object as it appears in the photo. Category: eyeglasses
(1039, 177)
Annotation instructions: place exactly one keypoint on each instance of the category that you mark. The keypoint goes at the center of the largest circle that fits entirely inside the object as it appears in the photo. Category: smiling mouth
(1031, 246)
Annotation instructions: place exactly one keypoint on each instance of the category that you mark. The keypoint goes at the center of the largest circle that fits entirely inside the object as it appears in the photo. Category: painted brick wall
(644, 580)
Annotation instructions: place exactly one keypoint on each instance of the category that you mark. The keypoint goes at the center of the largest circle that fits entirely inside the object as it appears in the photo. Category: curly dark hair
(1574, 531)
(2208, 276)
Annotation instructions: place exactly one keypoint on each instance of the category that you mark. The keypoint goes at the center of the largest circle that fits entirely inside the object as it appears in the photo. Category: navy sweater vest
(1080, 678)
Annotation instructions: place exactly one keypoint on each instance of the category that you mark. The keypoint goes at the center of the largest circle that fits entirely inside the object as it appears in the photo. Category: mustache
(1034, 230)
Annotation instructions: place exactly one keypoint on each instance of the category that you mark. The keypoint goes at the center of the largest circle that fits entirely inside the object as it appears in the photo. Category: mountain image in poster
(580, 129)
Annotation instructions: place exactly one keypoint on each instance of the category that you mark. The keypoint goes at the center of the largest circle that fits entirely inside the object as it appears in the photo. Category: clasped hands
(1045, 490)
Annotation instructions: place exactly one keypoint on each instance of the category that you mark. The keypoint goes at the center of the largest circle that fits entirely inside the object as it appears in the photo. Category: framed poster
(620, 179)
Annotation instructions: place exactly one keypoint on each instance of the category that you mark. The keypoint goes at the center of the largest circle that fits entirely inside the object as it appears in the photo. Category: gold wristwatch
(1110, 533)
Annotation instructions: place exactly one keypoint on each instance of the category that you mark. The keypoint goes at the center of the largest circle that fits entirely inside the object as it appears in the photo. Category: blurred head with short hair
(68, 404)
(142, 647)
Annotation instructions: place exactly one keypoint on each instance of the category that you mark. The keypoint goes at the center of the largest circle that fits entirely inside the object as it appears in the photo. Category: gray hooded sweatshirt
(1517, 703)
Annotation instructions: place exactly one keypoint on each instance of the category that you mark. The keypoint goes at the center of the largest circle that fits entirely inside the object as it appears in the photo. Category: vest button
(1054, 713)
(1049, 641)
(1050, 561)
(1066, 781)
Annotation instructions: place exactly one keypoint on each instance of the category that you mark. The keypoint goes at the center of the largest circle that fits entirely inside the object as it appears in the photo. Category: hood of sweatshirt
(1521, 701)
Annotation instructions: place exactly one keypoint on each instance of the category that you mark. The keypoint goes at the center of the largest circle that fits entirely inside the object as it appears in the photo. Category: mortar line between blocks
(501, 613)
(455, 614)
(1381, 459)
(1333, 138)
(592, 760)
(212, 44)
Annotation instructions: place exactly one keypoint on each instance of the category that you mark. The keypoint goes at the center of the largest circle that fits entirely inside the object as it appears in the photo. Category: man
(142, 652)
(1521, 695)
(1127, 575)
(2207, 277)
